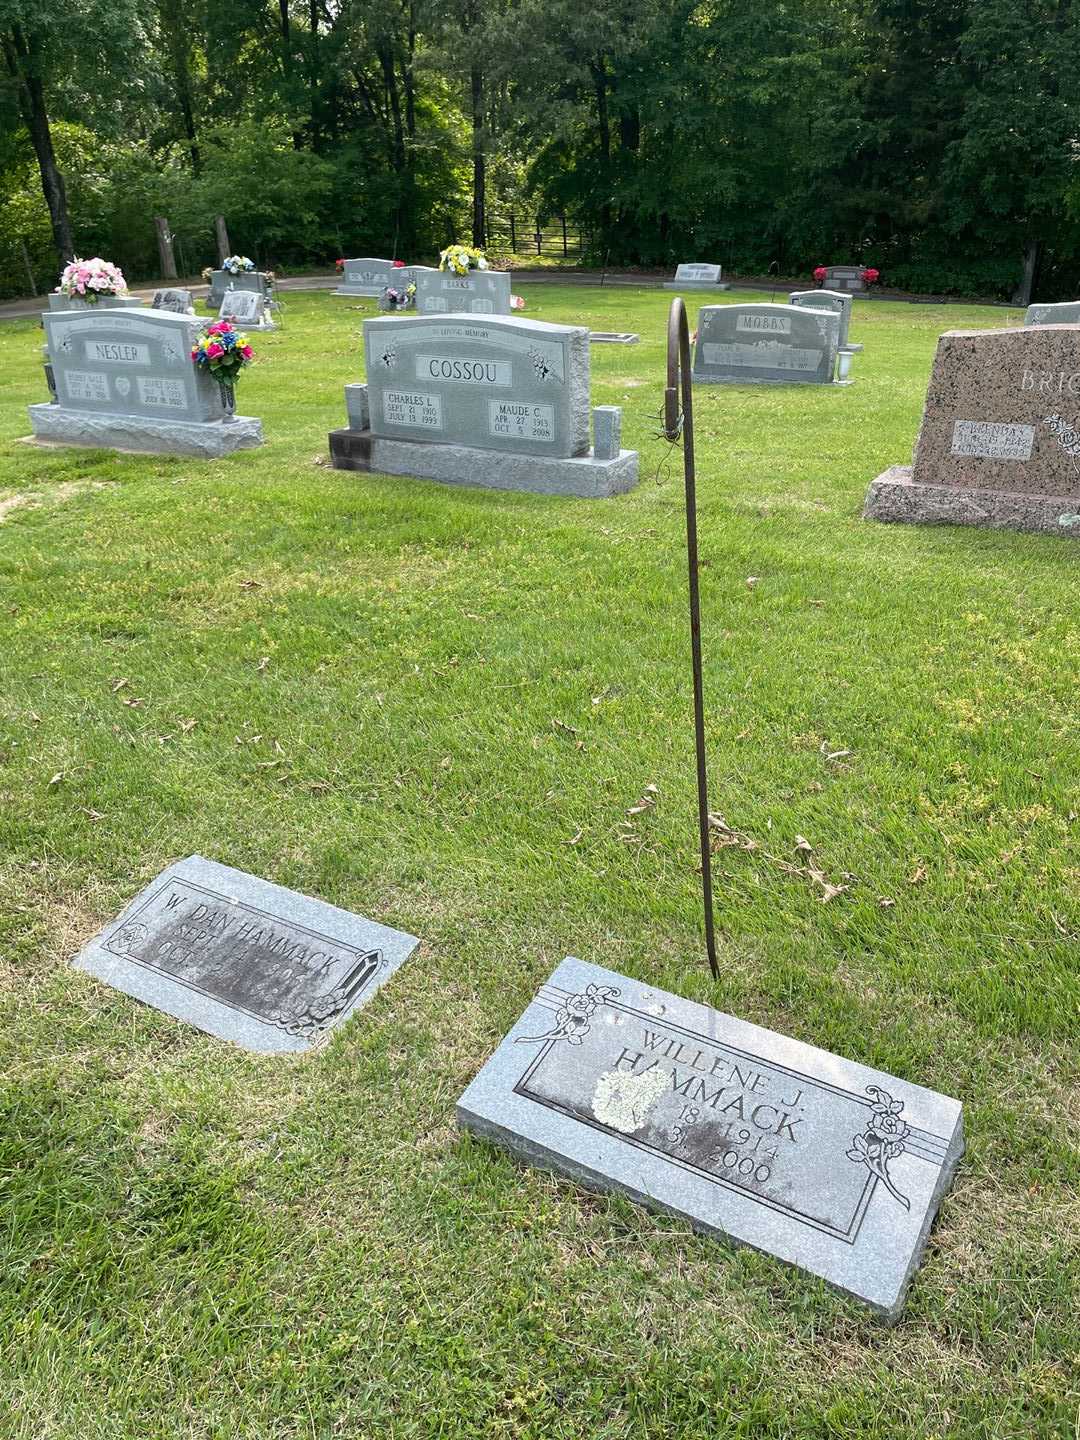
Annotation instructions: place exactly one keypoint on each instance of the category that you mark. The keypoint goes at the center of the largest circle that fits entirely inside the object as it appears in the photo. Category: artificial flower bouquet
(222, 352)
(339, 264)
(870, 276)
(238, 264)
(398, 297)
(460, 259)
(820, 274)
(90, 280)
(208, 274)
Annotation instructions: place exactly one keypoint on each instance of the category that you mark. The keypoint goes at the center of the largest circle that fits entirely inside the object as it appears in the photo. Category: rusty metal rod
(676, 425)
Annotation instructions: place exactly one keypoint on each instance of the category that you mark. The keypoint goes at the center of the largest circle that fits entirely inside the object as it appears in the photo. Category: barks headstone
(766, 344)
(696, 276)
(178, 302)
(828, 300)
(125, 380)
(243, 959)
(501, 402)
(1066, 313)
(822, 1162)
(480, 292)
(370, 277)
(999, 444)
(845, 277)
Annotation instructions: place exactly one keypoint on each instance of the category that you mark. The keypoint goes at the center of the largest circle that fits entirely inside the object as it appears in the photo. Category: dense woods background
(938, 140)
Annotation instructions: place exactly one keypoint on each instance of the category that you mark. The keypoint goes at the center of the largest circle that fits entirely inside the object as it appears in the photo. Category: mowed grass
(436, 707)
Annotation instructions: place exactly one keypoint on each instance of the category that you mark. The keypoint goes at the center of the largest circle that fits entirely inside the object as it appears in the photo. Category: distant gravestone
(481, 292)
(177, 302)
(243, 959)
(500, 401)
(1066, 313)
(999, 444)
(828, 300)
(244, 307)
(844, 277)
(613, 337)
(695, 276)
(764, 343)
(370, 277)
(222, 280)
(125, 380)
(824, 1163)
(59, 302)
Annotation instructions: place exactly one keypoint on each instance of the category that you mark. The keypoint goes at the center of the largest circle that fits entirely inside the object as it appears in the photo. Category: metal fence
(558, 236)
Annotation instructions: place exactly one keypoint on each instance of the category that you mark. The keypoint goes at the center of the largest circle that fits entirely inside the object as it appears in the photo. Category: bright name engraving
(1050, 382)
(451, 284)
(521, 422)
(763, 356)
(118, 352)
(412, 408)
(988, 440)
(777, 324)
(86, 385)
(466, 371)
(167, 394)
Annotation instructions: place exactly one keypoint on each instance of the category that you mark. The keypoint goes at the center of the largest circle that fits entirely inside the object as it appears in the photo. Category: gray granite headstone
(369, 276)
(607, 431)
(825, 1163)
(766, 343)
(244, 959)
(844, 277)
(827, 300)
(179, 302)
(481, 292)
(223, 280)
(695, 276)
(1065, 313)
(125, 379)
(245, 307)
(104, 302)
(613, 337)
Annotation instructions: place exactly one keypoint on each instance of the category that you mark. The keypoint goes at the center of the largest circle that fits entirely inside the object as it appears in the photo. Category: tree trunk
(598, 70)
(31, 94)
(479, 162)
(1022, 294)
(165, 248)
(222, 237)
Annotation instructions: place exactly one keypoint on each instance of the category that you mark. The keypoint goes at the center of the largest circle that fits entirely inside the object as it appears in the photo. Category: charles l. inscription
(242, 958)
(815, 1159)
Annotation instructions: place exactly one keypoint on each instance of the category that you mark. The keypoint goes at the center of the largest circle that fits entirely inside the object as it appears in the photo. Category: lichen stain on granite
(623, 1101)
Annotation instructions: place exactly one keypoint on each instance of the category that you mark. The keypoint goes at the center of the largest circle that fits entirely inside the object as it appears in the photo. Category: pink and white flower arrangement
(517, 302)
(89, 280)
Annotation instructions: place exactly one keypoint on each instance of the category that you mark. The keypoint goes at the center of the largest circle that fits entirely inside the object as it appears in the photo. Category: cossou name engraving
(465, 370)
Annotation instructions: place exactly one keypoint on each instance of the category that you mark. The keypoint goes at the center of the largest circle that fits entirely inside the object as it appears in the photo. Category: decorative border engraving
(321, 1013)
(882, 1140)
(1067, 436)
(573, 1017)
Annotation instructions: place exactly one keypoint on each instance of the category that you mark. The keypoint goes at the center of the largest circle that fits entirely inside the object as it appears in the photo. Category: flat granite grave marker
(766, 344)
(370, 277)
(613, 337)
(125, 380)
(828, 300)
(1065, 313)
(999, 444)
(827, 1164)
(243, 959)
(500, 401)
(480, 292)
(696, 276)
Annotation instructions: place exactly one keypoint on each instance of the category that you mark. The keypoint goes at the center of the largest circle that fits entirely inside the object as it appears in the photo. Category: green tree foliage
(936, 139)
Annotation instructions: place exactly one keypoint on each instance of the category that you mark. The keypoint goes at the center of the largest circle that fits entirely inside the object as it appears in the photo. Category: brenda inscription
(242, 958)
(992, 441)
(823, 1162)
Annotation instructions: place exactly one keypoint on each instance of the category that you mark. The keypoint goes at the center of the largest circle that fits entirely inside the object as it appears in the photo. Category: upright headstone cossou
(125, 380)
(500, 402)
(825, 1163)
(243, 959)
(999, 444)
(757, 344)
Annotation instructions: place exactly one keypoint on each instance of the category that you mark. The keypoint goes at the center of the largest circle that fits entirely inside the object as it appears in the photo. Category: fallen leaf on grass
(132, 702)
(56, 779)
(118, 685)
(832, 754)
(251, 585)
(318, 460)
(94, 814)
(188, 725)
(562, 727)
(801, 843)
(647, 801)
(917, 876)
(263, 663)
(574, 838)
(723, 837)
(751, 581)
(885, 902)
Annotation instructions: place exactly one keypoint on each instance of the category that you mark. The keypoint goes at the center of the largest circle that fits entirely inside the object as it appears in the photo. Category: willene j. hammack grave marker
(244, 959)
(764, 1140)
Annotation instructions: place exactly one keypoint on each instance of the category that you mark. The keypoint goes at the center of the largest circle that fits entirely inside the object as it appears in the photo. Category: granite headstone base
(362, 292)
(244, 959)
(696, 285)
(894, 497)
(787, 379)
(826, 1164)
(580, 475)
(55, 425)
(613, 337)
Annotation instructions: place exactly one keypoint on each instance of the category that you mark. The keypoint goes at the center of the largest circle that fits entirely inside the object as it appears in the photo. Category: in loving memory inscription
(824, 1163)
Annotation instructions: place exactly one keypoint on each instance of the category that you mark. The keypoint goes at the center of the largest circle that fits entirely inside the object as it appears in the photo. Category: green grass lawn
(436, 707)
